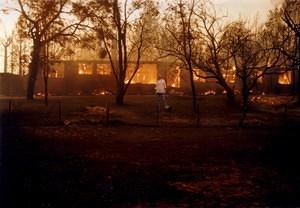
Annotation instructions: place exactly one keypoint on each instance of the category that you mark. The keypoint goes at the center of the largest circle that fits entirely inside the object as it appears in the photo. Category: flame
(40, 94)
(101, 92)
(146, 74)
(285, 78)
(229, 75)
(210, 92)
(174, 77)
(85, 69)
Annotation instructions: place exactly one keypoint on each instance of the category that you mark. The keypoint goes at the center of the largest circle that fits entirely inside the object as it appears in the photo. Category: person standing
(161, 89)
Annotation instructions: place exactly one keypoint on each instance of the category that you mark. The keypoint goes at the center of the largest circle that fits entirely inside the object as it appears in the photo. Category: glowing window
(103, 69)
(85, 69)
(147, 74)
(285, 78)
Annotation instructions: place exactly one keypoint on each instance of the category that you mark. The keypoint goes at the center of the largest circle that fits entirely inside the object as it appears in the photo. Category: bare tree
(46, 70)
(127, 49)
(212, 56)
(194, 36)
(37, 18)
(6, 42)
(178, 38)
(121, 28)
(23, 56)
(252, 57)
(291, 16)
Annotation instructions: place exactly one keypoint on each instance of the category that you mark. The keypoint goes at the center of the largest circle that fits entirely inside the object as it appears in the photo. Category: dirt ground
(71, 154)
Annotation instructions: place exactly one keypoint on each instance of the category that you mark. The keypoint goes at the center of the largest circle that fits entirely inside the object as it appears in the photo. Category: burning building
(89, 76)
(282, 82)
(85, 77)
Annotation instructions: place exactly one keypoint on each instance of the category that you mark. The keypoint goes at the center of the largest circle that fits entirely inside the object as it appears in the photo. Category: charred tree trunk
(294, 81)
(46, 78)
(46, 90)
(194, 95)
(245, 99)
(5, 58)
(6, 44)
(20, 58)
(298, 70)
(46, 70)
(121, 55)
(229, 92)
(120, 98)
(12, 60)
(120, 93)
(230, 96)
(121, 90)
(243, 115)
(33, 71)
(121, 86)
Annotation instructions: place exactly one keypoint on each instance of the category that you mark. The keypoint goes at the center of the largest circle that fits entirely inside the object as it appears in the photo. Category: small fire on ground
(210, 92)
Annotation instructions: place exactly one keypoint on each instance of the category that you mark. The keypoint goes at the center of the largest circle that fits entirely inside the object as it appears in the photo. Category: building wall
(272, 84)
(12, 85)
(94, 77)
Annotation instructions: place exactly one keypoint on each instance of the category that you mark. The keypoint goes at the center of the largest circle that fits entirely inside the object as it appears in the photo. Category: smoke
(276, 3)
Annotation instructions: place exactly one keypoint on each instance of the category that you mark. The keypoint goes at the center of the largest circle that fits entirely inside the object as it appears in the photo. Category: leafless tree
(212, 56)
(291, 16)
(37, 18)
(194, 36)
(178, 38)
(6, 42)
(128, 47)
(121, 27)
(252, 57)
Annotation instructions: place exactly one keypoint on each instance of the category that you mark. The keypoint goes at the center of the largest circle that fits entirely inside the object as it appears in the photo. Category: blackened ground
(172, 165)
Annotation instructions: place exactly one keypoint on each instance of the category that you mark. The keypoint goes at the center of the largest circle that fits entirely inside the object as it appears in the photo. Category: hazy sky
(233, 8)
(7, 21)
(246, 8)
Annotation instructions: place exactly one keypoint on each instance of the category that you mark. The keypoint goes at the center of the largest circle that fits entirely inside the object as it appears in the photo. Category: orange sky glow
(246, 9)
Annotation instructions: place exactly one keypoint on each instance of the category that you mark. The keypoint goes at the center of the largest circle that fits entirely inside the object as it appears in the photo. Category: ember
(101, 92)
(210, 92)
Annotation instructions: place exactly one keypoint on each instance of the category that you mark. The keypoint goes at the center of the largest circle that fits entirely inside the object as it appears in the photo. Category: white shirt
(161, 86)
